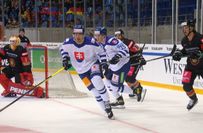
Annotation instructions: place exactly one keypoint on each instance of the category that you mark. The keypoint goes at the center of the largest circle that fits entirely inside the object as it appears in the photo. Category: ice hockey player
(84, 54)
(136, 57)
(118, 56)
(23, 39)
(19, 68)
(192, 44)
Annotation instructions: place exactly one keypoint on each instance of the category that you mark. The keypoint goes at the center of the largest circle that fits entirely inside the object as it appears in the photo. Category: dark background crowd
(59, 13)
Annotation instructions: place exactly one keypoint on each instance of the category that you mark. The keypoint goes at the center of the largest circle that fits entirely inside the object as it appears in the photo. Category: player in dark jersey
(131, 77)
(192, 44)
(19, 67)
(23, 39)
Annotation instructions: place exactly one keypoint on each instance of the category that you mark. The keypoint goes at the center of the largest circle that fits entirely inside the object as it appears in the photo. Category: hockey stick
(172, 52)
(32, 89)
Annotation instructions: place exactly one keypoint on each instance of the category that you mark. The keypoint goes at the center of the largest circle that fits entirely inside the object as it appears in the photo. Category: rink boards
(164, 73)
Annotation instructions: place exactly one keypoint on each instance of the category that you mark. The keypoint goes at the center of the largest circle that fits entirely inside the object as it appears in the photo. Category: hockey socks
(99, 85)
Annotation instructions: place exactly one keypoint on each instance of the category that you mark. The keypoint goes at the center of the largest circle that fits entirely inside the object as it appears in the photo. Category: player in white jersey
(118, 57)
(84, 54)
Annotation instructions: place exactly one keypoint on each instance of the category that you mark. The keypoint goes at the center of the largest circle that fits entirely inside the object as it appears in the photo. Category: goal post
(46, 70)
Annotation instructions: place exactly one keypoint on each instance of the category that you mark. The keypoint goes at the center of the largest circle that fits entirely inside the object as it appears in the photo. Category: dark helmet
(100, 31)
(190, 23)
(79, 29)
(22, 29)
(119, 32)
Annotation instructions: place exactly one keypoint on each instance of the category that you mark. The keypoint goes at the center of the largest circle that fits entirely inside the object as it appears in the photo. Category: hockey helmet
(22, 29)
(119, 32)
(190, 23)
(78, 29)
(100, 31)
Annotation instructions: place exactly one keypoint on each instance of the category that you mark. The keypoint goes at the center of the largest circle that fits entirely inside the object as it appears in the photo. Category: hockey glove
(26, 78)
(115, 59)
(66, 63)
(104, 67)
(142, 61)
(177, 55)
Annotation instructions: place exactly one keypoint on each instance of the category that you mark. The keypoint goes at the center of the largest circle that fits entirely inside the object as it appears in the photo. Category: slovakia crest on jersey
(79, 56)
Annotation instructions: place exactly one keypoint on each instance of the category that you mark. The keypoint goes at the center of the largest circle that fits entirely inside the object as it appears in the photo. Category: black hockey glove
(104, 66)
(66, 63)
(142, 61)
(177, 55)
(104, 69)
(115, 59)
(139, 60)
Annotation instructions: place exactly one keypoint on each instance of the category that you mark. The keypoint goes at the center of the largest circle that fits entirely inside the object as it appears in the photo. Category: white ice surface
(163, 111)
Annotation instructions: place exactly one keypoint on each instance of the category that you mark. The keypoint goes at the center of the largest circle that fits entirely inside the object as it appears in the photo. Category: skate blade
(143, 95)
(112, 118)
(118, 107)
(135, 97)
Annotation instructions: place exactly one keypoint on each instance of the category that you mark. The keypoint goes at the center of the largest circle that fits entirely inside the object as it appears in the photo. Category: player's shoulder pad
(88, 39)
(113, 41)
(91, 41)
(6, 46)
(67, 41)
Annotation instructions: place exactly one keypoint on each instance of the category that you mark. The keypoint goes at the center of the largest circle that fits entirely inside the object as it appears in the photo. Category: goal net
(46, 60)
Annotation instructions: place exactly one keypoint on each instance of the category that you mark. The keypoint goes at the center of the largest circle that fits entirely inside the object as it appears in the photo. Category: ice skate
(109, 111)
(140, 92)
(132, 96)
(118, 104)
(192, 103)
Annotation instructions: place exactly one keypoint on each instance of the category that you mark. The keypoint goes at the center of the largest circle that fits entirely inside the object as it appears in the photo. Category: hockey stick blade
(32, 89)
(144, 94)
(173, 49)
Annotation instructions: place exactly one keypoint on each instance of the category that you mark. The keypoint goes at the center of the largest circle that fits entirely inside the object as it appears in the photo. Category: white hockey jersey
(82, 56)
(115, 46)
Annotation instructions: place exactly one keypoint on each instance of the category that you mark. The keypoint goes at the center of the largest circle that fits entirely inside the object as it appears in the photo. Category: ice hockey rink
(163, 111)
